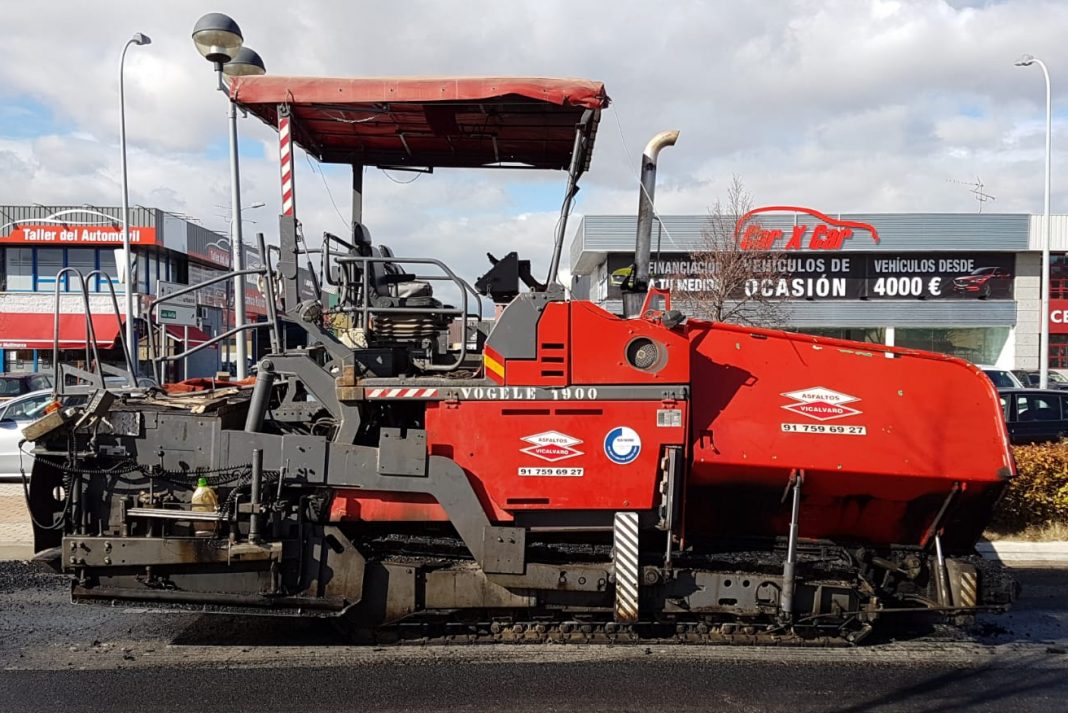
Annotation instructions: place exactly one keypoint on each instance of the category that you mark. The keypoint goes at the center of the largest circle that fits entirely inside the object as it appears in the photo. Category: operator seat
(389, 280)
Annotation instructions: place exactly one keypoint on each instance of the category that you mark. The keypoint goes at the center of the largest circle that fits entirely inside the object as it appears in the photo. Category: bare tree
(724, 282)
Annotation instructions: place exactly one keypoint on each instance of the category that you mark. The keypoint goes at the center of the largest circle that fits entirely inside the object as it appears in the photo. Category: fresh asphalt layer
(58, 656)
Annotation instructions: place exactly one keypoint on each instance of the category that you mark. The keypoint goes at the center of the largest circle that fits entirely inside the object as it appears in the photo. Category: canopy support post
(285, 162)
(357, 194)
(579, 159)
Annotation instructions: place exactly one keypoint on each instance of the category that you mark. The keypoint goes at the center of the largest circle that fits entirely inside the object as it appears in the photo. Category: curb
(1017, 551)
(15, 552)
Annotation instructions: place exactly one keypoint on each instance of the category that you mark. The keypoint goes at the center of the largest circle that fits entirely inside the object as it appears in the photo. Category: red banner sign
(58, 234)
(825, 233)
(1058, 316)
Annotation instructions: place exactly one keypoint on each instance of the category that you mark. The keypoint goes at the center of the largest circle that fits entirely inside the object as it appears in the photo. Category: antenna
(976, 189)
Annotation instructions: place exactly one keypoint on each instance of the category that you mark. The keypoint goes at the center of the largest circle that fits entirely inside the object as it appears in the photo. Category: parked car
(1031, 378)
(12, 385)
(1002, 378)
(14, 416)
(1035, 415)
(120, 382)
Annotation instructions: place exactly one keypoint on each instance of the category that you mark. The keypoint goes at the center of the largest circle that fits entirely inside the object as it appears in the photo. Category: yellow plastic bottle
(204, 500)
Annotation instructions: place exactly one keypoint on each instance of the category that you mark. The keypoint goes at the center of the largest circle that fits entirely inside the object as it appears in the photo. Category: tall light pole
(218, 38)
(131, 342)
(1043, 357)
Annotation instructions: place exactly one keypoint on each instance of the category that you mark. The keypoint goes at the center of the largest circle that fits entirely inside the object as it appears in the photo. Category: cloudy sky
(842, 105)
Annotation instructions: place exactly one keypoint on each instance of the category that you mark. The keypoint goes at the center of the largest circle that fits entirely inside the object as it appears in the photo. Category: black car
(12, 385)
(1035, 415)
(1031, 378)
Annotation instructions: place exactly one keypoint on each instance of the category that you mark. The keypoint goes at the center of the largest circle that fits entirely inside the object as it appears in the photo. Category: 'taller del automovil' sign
(64, 234)
(823, 233)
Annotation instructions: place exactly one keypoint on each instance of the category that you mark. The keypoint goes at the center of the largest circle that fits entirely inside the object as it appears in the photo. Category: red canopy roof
(22, 330)
(429, 121)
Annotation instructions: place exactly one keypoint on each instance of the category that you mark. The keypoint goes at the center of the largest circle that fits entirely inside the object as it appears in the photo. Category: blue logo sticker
(622, 445)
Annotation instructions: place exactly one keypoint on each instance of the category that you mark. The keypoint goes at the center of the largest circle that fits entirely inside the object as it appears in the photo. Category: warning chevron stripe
(409, 393)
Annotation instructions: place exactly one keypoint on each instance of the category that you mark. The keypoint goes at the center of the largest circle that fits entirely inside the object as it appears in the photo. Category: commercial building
(961, 284)
(37, 242)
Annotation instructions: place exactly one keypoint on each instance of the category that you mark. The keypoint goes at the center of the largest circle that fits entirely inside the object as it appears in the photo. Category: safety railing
(326, 274)
(158, 360)
(355, 297)
(365, 309)
(92, 352)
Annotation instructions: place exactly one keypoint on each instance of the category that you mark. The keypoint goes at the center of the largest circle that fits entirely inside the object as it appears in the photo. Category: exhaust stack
(637, 283)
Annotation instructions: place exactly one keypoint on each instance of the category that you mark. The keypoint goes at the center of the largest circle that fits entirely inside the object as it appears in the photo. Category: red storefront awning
(197, 336)
(19, 330)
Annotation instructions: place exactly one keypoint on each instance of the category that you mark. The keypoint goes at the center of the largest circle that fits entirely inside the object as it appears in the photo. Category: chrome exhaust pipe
(637, 283)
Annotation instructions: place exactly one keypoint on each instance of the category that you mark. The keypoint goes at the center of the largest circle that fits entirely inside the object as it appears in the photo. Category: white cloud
(843, 105)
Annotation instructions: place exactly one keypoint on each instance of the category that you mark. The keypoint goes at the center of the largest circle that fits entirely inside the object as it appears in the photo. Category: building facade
(37, 242)
(960, 284)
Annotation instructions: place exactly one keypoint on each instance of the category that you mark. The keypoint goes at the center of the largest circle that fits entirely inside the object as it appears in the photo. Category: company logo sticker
(821, 403)
(622, 445)
(551, 446)
(828, 234)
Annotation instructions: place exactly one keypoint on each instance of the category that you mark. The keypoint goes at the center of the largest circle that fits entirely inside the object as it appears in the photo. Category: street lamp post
(218, 38)
(254, 206)
(131, 342)
(1043, 358)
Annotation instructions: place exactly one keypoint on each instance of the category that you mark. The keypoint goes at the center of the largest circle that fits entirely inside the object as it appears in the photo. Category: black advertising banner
(842, 276)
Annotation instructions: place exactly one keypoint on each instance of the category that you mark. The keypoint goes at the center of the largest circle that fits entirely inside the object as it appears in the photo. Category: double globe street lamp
(219, 40)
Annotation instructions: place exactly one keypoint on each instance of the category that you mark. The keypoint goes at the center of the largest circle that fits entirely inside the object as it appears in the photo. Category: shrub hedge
(1038, 496)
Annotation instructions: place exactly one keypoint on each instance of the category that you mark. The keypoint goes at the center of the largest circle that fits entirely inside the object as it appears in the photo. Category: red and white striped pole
(285, 160)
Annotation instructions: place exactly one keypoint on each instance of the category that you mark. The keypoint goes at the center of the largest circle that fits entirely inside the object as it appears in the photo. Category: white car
(15, 415)
(1002, 378)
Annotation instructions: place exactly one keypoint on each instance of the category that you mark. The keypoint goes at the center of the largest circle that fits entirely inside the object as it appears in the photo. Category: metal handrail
(127, 349)
(272, 313)
(157, 359)
(467, 285)
(92, 361)
(225, 335)
(268, 287)
(326, 254)
(92, 352)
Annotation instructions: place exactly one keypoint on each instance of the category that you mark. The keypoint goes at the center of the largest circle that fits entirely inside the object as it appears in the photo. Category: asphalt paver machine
(570, 474)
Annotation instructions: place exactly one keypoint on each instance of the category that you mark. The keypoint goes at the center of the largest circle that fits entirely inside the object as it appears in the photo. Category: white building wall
(1058, 238)
(1028, 306)
(69, 303)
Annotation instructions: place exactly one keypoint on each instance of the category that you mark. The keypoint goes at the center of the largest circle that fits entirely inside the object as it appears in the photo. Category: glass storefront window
(18, 266)
(84, 261)
(979, 345)
(1058, 277)
(49, 262)
(1058, 351)
(16, 360)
